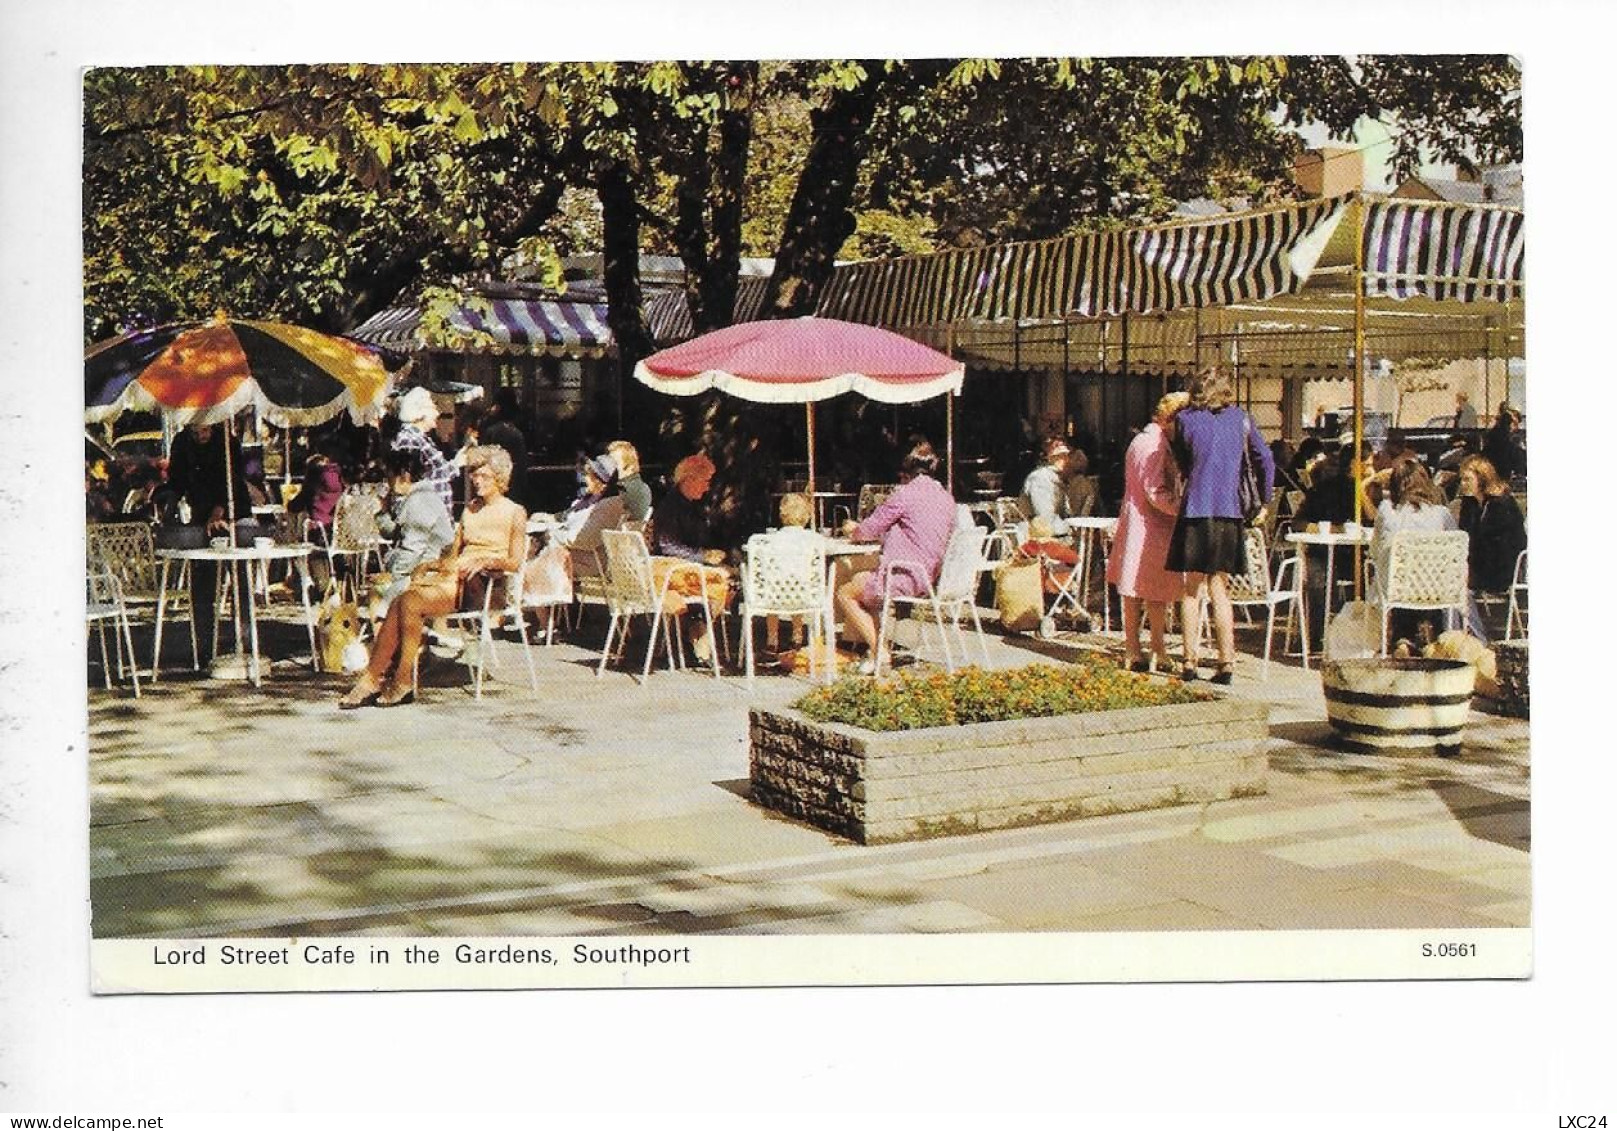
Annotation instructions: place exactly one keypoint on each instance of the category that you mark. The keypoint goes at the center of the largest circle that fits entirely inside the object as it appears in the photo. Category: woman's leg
(1131, 629)
(415, 608)
(1156, 614)
(383, 650)
(1190, 613)
(854, 614)
(1218, 592)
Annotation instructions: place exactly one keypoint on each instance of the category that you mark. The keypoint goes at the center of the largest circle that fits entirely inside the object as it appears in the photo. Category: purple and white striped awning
(1442, 251)
(507, 326)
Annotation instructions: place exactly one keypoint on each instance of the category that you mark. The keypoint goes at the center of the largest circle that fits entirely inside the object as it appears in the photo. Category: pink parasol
(803, 360)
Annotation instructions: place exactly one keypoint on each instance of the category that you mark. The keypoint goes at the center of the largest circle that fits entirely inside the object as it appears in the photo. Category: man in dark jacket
(500, 428)
(197, 474)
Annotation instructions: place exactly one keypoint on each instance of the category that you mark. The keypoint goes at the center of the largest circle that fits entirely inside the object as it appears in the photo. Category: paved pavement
(600, 806)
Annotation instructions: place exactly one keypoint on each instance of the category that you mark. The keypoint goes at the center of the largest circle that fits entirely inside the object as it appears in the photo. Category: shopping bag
(1354, 633)
(336, 627)
(1019, 594)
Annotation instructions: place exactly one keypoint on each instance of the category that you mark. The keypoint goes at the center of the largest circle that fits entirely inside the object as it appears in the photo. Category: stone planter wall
(905, 785)
(1511, 659)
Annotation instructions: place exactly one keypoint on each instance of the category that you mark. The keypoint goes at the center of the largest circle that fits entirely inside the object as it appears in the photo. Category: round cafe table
(1096, 531)
(227, 580)
(1359, 536)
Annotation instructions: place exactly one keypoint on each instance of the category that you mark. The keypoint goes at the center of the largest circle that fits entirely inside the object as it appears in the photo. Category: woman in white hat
(417, 413)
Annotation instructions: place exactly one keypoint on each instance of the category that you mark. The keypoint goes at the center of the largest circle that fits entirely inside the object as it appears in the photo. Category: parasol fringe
(804, 392)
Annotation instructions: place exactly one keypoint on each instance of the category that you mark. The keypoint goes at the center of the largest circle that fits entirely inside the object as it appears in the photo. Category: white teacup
(1351, 529)
(263, 543)
(219, 543)
(1324, 528)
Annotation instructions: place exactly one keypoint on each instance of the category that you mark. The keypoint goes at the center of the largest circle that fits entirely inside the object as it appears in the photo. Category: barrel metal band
(1348, 725)
(1367, 699)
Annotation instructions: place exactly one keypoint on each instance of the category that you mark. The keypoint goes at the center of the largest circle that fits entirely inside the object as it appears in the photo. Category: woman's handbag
(1249, 492)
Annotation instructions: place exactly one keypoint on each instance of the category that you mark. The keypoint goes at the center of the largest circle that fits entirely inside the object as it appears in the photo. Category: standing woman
(1145, 522)
(1209, 540)
(492, 539)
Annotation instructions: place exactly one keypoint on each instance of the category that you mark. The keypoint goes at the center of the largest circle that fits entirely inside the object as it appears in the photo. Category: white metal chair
(786, 577)
(588, 554)
(1426, 571)
(1008, 512)
(1068, 581)
(1516, 611)
(128, 551)
(963, 565)
(1258, 587)
(104, 601)
(946, 596)
(502, 601)
(354, 535)
(632, 590)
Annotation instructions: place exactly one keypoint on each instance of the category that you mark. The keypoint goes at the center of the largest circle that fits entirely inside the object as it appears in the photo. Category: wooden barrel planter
(1389, 706)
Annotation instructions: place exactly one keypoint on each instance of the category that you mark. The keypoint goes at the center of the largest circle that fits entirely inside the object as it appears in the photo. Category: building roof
(1460, 192)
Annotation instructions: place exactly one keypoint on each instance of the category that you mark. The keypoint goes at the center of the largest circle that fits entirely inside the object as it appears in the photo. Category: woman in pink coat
(1144, 524)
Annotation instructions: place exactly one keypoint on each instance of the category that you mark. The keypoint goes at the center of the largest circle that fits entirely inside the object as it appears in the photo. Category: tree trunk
(620, 247)
(821, 218)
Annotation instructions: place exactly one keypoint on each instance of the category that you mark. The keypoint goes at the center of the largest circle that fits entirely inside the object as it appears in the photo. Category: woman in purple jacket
(914, 525)
(1209, 540)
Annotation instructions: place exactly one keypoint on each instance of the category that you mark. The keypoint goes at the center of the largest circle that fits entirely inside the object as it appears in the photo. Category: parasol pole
(230, 487)
(808, 409)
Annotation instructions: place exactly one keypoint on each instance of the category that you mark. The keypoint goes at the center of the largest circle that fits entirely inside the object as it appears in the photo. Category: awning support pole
(1487, 364)
(948, 417)
(1358, 393)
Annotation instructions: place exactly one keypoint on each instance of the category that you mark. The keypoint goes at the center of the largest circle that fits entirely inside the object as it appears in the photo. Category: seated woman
(492, 539)
(636, 494)
(1412, 502)
(318, 495)
(415, 520)
(678, 536)
(1044, 492)
(914, 525)
(1490, 514)
(573, 549)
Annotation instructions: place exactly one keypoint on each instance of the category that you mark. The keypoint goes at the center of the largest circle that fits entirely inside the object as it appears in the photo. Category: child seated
(796, 513)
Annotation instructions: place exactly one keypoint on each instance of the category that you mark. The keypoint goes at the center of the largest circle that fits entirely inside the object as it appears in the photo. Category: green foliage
(880, 234)
(911, 701)
(319, 193)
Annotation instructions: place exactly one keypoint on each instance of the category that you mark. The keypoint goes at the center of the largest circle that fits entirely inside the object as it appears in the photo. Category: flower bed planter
(939, 781)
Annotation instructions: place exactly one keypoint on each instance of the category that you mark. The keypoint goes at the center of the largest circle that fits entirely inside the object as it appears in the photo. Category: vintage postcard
(784, 522)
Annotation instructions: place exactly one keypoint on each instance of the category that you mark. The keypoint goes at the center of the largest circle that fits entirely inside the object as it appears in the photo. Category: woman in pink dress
(1144, 524)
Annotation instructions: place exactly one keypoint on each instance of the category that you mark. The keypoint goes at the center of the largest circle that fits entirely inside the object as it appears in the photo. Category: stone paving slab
(604, 806)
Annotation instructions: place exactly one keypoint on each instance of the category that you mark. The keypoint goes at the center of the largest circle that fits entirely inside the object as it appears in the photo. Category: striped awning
(508, 326)
(1095, 274)
(1441, 251)
(1435, 250)
(668, 315)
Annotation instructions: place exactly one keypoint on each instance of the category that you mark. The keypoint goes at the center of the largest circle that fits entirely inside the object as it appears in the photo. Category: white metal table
(1097, 532)
(1358, 536)
(226, 580)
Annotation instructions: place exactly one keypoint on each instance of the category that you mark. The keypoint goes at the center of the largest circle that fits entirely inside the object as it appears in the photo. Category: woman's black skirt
(1208, 545)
